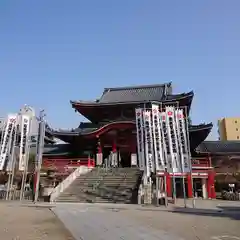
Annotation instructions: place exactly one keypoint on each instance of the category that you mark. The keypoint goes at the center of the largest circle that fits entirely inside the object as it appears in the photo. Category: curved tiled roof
(155, 92)
(197, 133)
(136, 94)
(89, 131)
(126, 99)
(219, 147)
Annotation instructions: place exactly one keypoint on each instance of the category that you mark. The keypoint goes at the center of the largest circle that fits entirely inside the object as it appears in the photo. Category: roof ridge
(137, 87)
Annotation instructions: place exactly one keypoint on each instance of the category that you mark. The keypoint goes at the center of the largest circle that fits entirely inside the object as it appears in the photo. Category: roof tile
(136, 94)
(219, 147)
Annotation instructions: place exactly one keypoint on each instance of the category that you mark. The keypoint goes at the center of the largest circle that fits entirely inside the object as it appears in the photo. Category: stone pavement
(95, 223)
(25, 223)
(105, 221)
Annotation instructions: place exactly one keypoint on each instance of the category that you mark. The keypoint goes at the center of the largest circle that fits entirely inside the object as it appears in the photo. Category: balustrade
(201, 162)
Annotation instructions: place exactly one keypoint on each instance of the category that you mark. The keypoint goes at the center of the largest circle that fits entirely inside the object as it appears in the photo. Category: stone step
(103, 185)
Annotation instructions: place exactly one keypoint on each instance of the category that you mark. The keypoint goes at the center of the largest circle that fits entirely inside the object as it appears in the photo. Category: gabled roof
(218, 147)
(143, 93)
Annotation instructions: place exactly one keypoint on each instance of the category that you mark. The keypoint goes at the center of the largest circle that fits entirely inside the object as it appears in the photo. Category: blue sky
(55, 51)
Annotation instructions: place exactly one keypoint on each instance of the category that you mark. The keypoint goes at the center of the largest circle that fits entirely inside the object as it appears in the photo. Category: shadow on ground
(222, 211)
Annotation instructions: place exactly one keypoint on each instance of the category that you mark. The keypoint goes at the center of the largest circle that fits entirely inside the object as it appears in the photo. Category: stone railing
(67, 181)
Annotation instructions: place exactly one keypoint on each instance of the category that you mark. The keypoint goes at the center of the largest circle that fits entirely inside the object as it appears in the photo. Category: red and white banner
(140, 139)
(162, 140)
(157, 139)
(183, 141)
(6, 135)
(173, 155)
(24, 141)
(149, 156)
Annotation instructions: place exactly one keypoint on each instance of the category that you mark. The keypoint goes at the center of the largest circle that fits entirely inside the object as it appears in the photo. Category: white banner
(165, 142)
(24, 141)
(6, 139)
(173, 141)
(148, 142)
(157, 139)
(12, 143)
(140, 139)
(183, 141)
(166, 147)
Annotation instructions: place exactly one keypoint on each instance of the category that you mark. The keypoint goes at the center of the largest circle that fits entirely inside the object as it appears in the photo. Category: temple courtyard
(211, 220)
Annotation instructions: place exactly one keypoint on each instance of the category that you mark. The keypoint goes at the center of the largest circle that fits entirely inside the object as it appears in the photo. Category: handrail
(67, 181)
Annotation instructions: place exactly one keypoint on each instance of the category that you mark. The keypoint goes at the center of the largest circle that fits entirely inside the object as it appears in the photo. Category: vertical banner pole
(183, 165)
(26, 158)
(190, 159)
(165, 188)
(165, 146)
(39, 154)
(174, 188)
(181, 132)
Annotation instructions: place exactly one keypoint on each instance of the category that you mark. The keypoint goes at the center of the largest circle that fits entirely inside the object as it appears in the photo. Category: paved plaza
(19, 222)
(109, 221)
(211, 220)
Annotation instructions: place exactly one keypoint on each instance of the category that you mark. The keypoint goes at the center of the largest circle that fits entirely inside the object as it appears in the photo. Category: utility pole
(39, 153)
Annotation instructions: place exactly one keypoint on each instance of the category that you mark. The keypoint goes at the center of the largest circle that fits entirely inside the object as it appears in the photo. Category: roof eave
(169, 84)
(207, 126)
(218, 153)
(76, 104)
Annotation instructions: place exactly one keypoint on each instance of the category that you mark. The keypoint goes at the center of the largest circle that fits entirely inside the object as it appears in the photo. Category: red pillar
(89, 161)
(210, 185)
(213, 185)
(114, 147)
(190, 187)
(169, 184)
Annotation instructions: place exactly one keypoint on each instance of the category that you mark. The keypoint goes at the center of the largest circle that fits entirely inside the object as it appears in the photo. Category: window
(236, 129)
(236, 121)
(237, 137)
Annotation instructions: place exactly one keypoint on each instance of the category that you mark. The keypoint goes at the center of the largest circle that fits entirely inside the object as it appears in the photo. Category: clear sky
(54, 51)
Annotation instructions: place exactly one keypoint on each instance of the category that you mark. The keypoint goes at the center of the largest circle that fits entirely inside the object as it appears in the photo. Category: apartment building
(229, 129)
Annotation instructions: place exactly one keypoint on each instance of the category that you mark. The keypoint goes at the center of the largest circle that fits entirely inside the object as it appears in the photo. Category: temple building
(112, 128)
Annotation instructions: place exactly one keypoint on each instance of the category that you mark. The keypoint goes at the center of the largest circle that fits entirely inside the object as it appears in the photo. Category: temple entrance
(197, 187)
(125, 159)
(179, 187)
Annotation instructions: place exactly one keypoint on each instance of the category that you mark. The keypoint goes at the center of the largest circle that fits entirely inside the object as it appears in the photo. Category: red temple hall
(112, 129)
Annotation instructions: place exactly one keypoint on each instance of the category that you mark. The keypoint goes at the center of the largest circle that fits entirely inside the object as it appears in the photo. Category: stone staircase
(115, 185)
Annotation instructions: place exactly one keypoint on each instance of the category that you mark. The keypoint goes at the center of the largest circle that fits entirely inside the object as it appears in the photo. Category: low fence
(15, 195)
